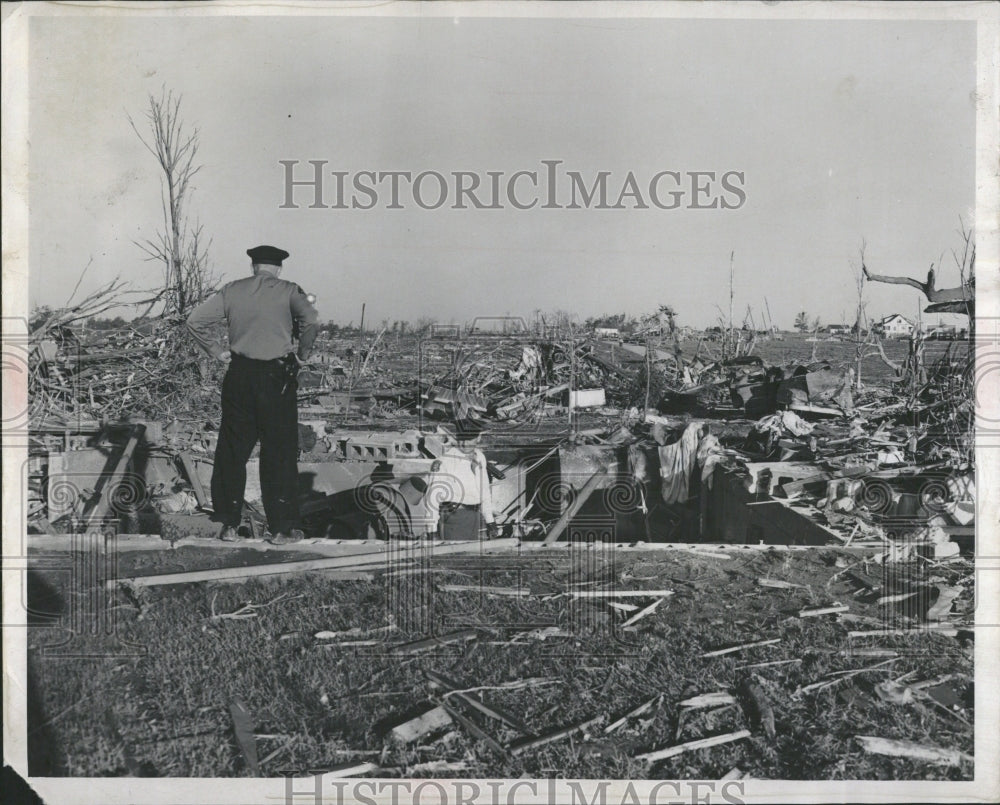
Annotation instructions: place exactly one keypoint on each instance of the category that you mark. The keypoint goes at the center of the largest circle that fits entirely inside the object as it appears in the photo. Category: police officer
(262, 312)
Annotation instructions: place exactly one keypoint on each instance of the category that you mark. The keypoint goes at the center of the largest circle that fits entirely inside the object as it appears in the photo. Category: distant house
(838, 329)
(894, 326)
(607, 332)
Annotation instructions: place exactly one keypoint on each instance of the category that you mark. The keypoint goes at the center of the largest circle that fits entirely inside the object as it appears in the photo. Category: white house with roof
(895, 326)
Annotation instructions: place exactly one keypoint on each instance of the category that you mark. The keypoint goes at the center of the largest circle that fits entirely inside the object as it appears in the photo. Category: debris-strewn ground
(312, 703)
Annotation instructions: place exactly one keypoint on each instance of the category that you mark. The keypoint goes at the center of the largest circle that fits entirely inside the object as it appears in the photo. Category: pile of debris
(867, 464)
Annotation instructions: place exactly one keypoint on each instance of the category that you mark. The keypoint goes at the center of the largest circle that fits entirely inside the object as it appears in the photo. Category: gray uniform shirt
(261, 313)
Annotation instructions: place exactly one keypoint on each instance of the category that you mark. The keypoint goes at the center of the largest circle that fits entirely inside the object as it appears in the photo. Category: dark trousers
(258, 403)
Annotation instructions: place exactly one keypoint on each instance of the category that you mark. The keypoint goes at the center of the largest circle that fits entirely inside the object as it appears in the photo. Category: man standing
(259, 391)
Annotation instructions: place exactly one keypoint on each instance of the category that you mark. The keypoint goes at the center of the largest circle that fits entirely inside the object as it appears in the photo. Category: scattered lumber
(765, 664)
(778, 584)
(436, 766)
(250, 571)
(896, 598)
(701, 743)
(515, 592)
(350, 769)
(368, 558)
(355, 631)
(840, 676)
(541, 633)
(433, 720)
(707, 553)
(743, 646)
(431, 643)
(917, 630)
(929, 683)
(815, 613)
(534, 743)
(642, 613)
(719, 698)
(619, 593)
(914, 751)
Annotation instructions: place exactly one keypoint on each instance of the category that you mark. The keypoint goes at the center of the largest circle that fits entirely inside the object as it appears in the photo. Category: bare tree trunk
(181, 251)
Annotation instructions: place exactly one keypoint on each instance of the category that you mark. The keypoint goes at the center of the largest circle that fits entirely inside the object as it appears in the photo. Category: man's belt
(286, 367)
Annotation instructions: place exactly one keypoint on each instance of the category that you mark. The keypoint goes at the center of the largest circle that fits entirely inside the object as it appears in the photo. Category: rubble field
(528, 553)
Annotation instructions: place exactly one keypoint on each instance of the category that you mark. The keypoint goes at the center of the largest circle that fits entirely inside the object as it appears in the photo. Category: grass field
(314, 705)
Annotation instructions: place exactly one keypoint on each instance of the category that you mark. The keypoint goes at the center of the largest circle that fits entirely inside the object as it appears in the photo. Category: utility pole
(729, 339)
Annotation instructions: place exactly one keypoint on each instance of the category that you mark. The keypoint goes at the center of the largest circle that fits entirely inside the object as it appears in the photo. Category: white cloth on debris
(710, 453)
(462, 478)
(677, 462)
(795, 424)
(784, 422)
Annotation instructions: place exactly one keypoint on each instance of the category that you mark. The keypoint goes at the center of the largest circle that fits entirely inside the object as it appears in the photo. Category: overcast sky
(843, 131)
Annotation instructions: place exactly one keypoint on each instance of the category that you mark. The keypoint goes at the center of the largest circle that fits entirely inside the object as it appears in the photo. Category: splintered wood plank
(815, 613)
(559, 735)
(720, 651)
(431, 721)
(778, 584)
(351, 769)
(619, 593)
(642, 613)
(914, 751)
(701, 743)
(515, 592)
(431, 643)
(716, 699)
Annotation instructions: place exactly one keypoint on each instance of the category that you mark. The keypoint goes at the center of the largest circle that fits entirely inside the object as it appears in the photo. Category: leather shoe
(228, 534)
(282, 538)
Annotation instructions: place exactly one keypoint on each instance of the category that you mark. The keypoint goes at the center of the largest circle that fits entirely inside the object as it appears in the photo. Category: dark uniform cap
(267, 254)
